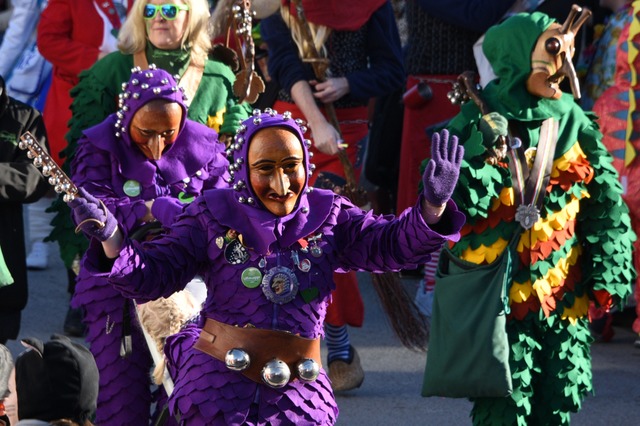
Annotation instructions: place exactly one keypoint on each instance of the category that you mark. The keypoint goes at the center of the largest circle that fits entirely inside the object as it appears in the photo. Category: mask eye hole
(552, 46)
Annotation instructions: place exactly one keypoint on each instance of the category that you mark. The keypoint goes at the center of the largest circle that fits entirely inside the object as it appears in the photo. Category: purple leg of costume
(124, 397)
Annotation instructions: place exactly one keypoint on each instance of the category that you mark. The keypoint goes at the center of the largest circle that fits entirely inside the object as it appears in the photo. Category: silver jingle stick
(57, 178)
(237, 359)
(276, 373)
(308, 370)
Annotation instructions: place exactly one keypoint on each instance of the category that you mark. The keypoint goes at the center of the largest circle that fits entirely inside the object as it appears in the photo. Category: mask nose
(156, 146)
(280, 183)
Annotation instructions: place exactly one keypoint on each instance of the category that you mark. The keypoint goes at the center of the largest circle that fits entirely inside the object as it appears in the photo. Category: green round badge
(251, 277)
(131, 188)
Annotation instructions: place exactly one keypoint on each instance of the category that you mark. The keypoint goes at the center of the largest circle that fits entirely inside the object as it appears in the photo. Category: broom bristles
(406, 320)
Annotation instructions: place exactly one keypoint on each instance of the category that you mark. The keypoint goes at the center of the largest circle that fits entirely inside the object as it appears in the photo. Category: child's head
(56, 380)
(166, 316)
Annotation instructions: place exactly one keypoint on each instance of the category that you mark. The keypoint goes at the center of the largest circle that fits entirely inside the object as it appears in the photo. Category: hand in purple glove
(441, 174)
(92, 216)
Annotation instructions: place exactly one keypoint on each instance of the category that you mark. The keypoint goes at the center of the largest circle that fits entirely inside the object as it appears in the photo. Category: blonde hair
(165, 316)
(132, 37)
(319, 34)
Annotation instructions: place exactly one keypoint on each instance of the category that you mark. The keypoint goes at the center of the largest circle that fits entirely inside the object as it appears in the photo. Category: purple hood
(238, 208)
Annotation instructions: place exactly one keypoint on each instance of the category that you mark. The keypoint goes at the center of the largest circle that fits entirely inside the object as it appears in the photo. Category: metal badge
(220, 242)
(131, 188)
(304, 265)
(316, 250)
(280, 285)
(527, 215)
(251, 277)
(236, 253)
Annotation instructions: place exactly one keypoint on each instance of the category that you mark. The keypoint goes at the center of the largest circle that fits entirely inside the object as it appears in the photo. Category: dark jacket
(20, 182)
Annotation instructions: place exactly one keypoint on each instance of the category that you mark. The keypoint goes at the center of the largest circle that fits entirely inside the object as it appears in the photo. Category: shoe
(73, 325)
(38, 258)
(346, 375)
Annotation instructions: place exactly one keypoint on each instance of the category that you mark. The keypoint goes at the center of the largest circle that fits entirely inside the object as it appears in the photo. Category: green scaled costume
(578, 251)
(96, 96)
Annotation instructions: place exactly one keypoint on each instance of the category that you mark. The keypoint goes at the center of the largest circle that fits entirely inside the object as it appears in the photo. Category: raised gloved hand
(92, 216)
(492, 126)
(441, 174)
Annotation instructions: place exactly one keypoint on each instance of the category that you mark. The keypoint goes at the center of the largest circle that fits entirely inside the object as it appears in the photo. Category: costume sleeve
(477, 15)
(606, 224)
(20, 180)
(217, 106)
(284, 64)
(18, 35)
(55, 41)
(386, 71)
(165, 265)
(92, 169)
(373, 243)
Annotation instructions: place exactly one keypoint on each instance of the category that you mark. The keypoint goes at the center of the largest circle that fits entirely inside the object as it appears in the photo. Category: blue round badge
(280, 285)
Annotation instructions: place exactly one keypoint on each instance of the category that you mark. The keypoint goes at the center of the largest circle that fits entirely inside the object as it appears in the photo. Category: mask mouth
(566, 70)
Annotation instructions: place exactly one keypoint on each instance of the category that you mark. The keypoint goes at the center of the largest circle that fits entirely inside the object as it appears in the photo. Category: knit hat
(6, 365)
(56, 380)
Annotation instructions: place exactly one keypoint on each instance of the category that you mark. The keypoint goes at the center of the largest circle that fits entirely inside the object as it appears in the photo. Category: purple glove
(441, 174)
(92, 216)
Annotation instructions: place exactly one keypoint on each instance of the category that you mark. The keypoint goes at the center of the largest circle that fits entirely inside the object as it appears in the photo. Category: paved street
(390, 394)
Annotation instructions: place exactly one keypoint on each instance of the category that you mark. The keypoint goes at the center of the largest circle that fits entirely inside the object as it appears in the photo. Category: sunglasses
(167, 11)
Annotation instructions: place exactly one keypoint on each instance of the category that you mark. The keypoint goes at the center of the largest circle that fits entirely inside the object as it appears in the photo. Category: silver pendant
(280, 285)
(527, 215)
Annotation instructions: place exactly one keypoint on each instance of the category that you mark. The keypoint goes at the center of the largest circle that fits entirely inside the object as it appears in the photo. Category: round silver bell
(237, 359)
(308, 370)
(276, 373)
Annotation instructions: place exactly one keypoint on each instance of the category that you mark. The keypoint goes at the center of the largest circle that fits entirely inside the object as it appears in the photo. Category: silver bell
(237, 359)
(308, 370)
(276, 373)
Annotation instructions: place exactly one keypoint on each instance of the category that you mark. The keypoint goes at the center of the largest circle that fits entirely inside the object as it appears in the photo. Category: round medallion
(304, 265)
(251, 277)
(316, 251)
(131, 188)
(236, 253)
(280, 285)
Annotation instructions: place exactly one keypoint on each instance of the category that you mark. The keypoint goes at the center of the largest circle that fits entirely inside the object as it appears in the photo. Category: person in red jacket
(73, 35)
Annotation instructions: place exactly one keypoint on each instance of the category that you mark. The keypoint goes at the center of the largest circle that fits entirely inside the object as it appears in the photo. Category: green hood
(508, 47)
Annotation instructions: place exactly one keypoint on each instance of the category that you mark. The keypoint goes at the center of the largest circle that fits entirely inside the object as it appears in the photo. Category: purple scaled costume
(113, 169)
(324, 231)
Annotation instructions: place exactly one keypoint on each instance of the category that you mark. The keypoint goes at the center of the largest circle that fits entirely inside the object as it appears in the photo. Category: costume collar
(195, 146)
(262, 230)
